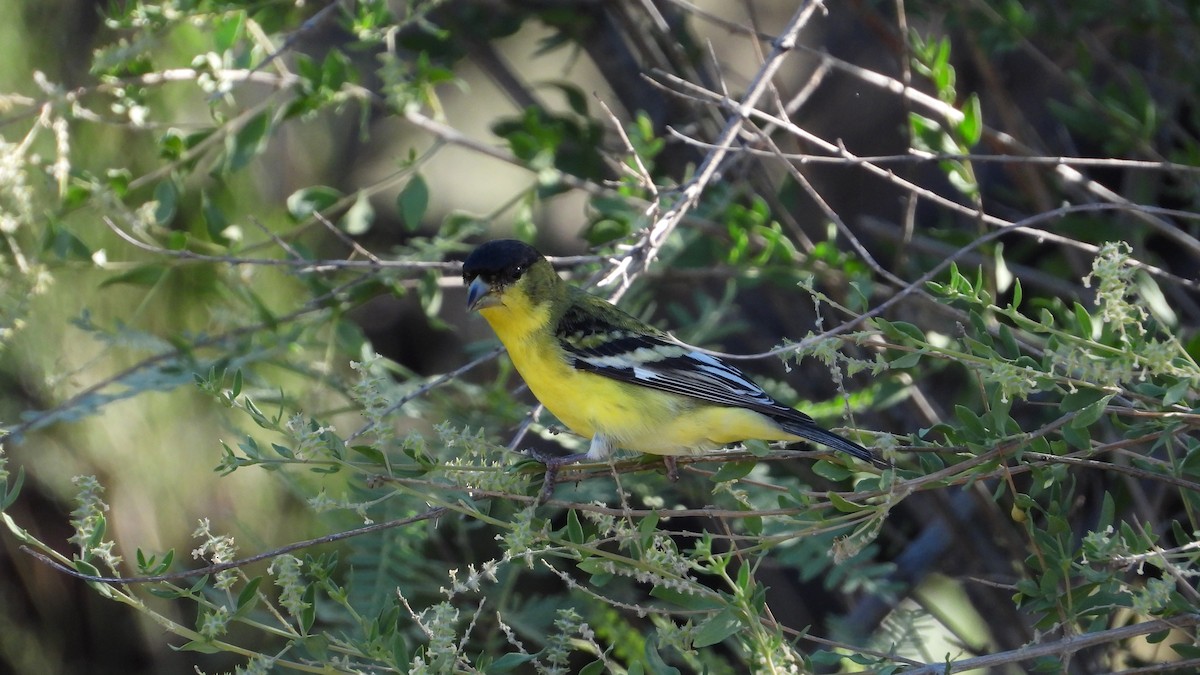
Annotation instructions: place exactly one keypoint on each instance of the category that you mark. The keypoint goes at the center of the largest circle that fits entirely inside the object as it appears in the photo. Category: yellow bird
(615, 379)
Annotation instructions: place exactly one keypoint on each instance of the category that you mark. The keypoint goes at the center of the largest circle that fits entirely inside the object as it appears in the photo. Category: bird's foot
(672, 468)
(553, 464)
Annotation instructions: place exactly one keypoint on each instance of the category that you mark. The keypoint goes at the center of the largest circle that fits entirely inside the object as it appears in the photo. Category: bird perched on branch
(615, 379)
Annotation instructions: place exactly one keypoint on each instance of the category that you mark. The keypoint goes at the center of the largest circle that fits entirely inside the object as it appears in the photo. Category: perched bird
(615, 379)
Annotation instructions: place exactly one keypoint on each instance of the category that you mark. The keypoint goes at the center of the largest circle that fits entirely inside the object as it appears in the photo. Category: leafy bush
(210, 235)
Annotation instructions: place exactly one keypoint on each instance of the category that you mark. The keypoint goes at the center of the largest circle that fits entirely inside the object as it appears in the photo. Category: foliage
(194, 258)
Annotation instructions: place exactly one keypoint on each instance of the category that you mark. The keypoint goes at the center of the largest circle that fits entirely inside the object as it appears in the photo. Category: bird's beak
(479, 295)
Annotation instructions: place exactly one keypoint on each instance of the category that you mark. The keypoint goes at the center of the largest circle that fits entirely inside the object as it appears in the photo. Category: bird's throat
(515, 323)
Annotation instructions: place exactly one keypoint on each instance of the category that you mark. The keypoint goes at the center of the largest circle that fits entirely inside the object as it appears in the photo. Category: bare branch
(1059, 648)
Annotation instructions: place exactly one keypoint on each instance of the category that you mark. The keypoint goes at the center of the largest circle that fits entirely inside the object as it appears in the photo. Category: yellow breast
(573, 397)
(629, 415)
(585, 402)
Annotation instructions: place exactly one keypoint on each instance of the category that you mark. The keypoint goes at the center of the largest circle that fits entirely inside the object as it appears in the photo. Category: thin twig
(241, 562)
(427, 387)
(634, 261)
(304, 266)
(1058, 648)
(839, 150)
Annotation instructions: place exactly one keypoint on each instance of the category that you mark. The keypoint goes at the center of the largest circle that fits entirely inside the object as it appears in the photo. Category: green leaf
(844, 505)
(861, 298)
(1107, 511)
(1186, 650)
(10, 493)
(144, 275)
(204, 647)
(1177, 392)
(970, 421)
(226, 31)
(77, 193)
(688, 601)
(1190, 465)
(654, 661)
(754, 525)
(249, 595)
(309, 614)
(970, 129)
(1011, 348)
(166, 196)
(316, 646)
(827, 660)
(1090, 414)
(118, 181)
(164, 593)
(509, 662)
(606, 230)
(399, 649)
(1080, 398)
(215, 222)
(593, 668)
(1152, 298)
(98, 531)
(247, 142)
(963, 179)
(758, 448)
(413, 201)
(1084, 320)
(576, 100)
(1077, 436)
(733, 471)
(63, 243)
(1157, 637)
(597, 569)
(909, 360)
(359, 217)
(648, 528)
(898, 331)
(574, 527)
(301, 204)
(715, 629)
(164, 564)
(831, 471)
(371, 453)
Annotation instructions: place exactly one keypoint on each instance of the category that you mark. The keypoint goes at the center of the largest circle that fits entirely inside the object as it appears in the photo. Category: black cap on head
(502, 260)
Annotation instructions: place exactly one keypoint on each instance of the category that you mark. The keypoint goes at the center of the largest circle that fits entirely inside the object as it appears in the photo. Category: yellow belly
(628, 415)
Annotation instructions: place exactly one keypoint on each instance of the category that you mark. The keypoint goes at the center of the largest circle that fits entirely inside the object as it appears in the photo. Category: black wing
(600, 338)
(604, 340)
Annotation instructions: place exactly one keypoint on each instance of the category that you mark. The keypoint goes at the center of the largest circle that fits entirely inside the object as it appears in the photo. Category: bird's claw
(552, 464)
(672, 468)
(549, 482)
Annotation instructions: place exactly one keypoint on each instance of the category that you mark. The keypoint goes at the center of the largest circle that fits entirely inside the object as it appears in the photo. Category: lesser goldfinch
(615, 379)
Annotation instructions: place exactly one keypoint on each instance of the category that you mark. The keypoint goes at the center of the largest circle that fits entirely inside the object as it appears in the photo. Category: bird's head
(506, 272)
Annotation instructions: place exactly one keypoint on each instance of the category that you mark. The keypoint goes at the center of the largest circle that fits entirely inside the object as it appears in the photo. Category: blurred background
(170, 170)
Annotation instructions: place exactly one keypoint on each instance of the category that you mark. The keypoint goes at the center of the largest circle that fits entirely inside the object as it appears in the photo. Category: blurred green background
(420, 128)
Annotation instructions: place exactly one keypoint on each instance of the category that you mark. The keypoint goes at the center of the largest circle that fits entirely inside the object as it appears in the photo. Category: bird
(615, 379)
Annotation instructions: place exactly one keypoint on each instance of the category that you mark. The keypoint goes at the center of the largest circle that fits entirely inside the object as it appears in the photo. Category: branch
(1060, 648)
(233, 564)
(641, 254)
(838, 150)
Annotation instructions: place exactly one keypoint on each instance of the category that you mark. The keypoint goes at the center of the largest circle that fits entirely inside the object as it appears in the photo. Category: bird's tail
(816, 434)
